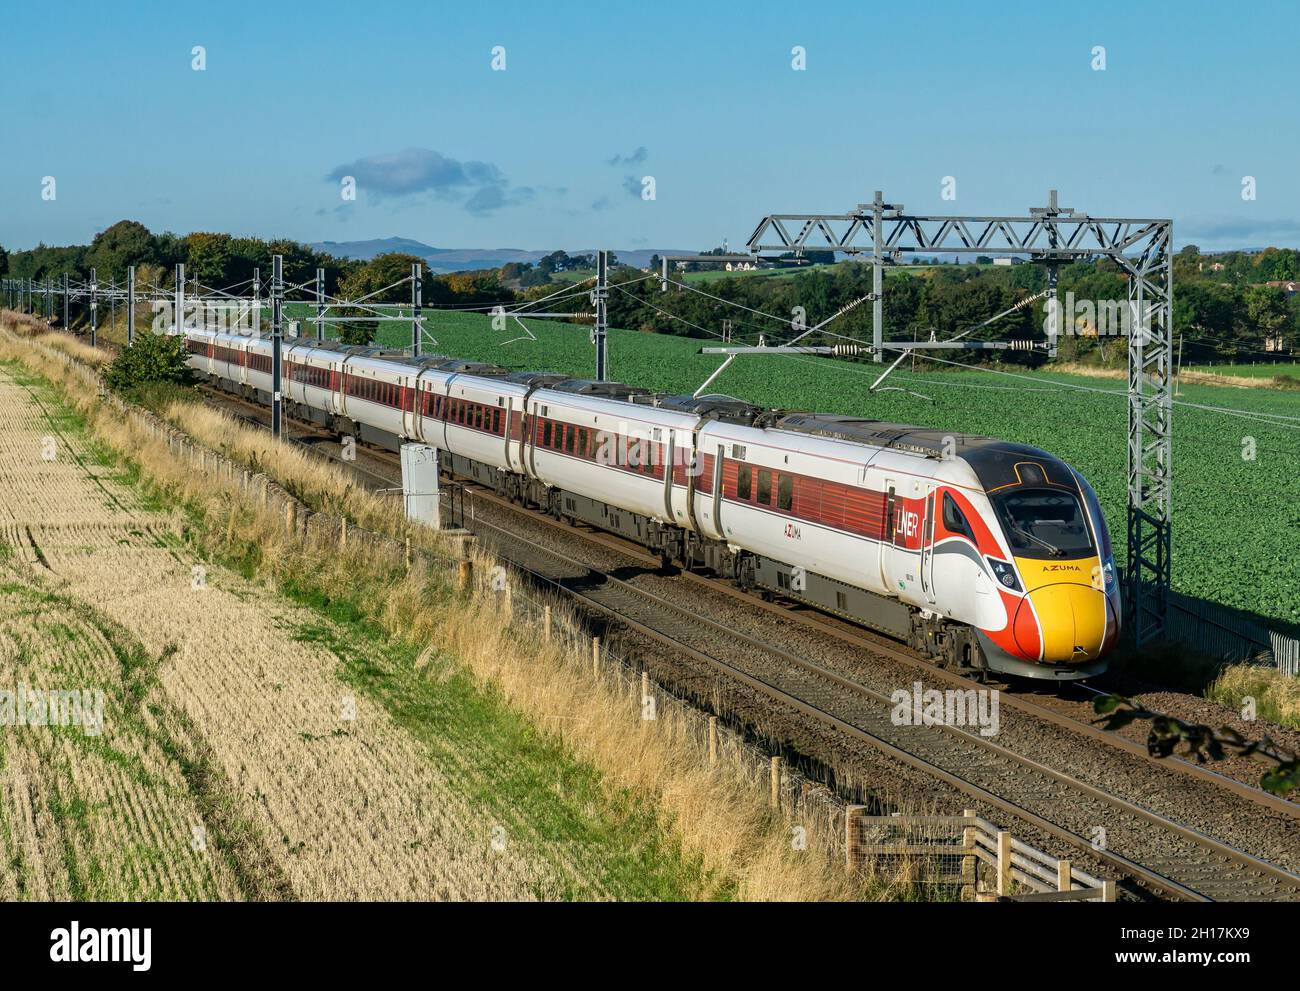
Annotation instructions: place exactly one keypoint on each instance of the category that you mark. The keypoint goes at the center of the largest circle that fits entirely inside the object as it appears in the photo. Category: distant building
(1274, 343)
(740, 266)
(1008, 260)
(1288, 286)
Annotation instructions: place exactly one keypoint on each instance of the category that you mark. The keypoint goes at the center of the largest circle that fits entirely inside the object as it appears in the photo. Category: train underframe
(955, 646)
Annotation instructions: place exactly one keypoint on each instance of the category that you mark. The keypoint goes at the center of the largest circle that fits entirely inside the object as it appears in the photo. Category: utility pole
(94, 308)
(277, 332)
(130, 306)
(598, 298)
(180, 296)
(257, 302)
(320, 304)
(417, 299)
(65, 300)
(877, 275)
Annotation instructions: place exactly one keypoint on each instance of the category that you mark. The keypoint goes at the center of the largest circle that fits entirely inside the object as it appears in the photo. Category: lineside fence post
(852, 840)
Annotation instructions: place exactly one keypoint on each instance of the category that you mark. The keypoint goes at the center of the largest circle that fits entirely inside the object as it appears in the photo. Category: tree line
(1232, 318)
(1224, 307)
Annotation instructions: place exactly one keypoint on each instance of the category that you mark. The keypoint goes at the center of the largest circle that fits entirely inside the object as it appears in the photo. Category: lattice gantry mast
(1050, 235)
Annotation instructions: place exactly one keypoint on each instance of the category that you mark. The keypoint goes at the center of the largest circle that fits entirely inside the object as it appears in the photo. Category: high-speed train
(985, 555)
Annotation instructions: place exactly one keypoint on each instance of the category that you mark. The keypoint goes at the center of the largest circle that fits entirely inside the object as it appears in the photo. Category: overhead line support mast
(1053, 236)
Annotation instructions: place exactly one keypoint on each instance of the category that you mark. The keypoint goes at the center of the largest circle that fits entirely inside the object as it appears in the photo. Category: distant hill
(442, 260)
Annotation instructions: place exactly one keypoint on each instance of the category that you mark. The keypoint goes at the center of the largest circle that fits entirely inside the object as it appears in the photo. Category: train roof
(540, 379)
(725, 409)
(602, 390)
(996, 463)
(483, 369)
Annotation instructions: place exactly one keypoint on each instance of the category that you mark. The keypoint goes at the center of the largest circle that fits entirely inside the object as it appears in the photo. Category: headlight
(1004, 573)
(1108, 570)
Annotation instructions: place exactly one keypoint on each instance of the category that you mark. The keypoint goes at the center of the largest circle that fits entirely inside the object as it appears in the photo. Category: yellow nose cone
(1071, 620)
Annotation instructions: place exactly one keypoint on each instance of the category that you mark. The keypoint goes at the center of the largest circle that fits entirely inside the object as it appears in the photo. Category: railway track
(1155, 850)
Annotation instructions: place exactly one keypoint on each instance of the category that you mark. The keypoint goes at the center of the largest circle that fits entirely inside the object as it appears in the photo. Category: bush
(154, 359)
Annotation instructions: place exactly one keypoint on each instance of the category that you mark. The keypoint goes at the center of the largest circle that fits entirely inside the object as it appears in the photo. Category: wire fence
(1223, 633)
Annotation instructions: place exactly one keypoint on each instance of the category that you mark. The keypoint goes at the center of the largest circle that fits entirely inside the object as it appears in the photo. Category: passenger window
(785, 493)
(571, 440)
(744, 482)
(765, 487)
(546, 433)
(953, 518)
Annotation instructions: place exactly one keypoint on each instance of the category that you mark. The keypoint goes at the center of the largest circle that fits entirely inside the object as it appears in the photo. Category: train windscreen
(1044, 523)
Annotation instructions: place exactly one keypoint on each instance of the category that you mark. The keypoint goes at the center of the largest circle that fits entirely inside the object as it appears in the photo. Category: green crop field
(1235, 519)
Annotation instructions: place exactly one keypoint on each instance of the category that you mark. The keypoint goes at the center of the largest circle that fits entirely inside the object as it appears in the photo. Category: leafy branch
(1170, 735)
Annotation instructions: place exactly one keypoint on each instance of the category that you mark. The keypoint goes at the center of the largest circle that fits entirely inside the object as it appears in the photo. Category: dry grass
(307, 477)
(712, 814)
(69, 345)
(1186, 377)
(1276, 695)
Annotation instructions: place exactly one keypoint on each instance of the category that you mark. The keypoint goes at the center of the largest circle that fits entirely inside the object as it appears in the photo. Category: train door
(927, 543)
(409, 397)
(889, 524)
(507, 413)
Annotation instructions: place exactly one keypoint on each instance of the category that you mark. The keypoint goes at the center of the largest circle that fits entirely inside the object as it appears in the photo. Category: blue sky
(1002, 97)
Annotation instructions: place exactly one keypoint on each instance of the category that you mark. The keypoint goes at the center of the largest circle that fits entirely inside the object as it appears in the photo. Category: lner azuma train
(985, 555)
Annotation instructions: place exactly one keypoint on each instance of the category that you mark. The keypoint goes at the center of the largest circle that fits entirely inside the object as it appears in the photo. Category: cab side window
(953, 518)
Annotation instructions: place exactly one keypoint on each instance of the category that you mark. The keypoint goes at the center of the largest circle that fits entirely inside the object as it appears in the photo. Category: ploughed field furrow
(1175, 857)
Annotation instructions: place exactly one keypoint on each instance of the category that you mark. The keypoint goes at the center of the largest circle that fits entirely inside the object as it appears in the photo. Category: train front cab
(1065, 615)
